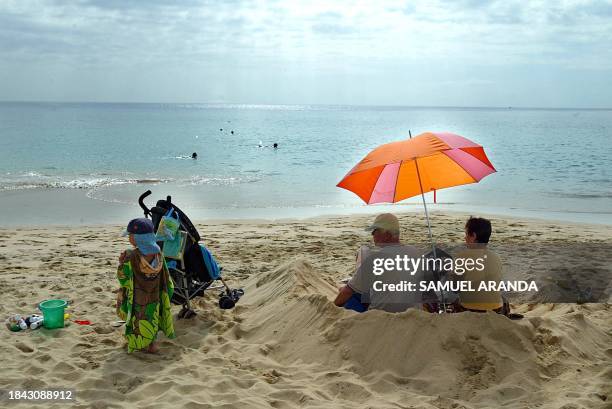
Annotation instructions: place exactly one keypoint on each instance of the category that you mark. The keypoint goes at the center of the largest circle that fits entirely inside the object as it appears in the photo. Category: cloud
(334, 42)
(128, 29)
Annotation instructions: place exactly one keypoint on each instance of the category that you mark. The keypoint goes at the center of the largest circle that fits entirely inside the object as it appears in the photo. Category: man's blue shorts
(354, 303)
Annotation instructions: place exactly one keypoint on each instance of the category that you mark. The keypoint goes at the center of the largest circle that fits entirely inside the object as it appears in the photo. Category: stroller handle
(141, 203)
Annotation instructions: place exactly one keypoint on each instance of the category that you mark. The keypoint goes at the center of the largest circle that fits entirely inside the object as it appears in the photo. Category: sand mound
(294, 279)
(481, 358)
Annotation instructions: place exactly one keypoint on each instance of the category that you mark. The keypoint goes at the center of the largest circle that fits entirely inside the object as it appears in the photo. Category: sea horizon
(246, 105)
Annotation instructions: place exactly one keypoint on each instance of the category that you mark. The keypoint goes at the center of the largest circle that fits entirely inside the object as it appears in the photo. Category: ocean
(87, 163)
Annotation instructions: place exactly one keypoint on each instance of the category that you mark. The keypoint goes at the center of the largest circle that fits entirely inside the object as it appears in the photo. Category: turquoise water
(551, 163)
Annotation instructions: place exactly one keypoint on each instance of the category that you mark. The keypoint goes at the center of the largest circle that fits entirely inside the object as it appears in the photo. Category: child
(146, 289)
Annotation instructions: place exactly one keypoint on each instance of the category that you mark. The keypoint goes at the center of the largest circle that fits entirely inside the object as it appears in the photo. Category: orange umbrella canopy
(430, 161)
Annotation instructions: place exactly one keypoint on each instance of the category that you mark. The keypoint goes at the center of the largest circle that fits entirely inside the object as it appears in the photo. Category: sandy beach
(286, 345)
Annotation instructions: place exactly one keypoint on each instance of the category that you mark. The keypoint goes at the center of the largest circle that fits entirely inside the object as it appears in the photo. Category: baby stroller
(190, 270)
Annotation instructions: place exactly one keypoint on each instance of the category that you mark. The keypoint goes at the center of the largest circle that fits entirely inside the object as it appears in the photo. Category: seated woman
(477, 234)
(145, 289)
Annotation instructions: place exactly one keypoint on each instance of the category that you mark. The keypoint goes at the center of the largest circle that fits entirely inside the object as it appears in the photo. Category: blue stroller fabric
(211, 263)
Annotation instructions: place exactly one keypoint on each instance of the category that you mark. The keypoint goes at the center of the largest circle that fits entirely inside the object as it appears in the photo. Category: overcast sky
(391, 52)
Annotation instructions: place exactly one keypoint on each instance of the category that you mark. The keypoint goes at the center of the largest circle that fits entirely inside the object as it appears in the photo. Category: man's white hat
(385, 221)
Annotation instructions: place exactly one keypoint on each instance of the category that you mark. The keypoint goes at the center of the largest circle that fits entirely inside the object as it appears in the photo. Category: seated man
(477, 234)
(358, 294)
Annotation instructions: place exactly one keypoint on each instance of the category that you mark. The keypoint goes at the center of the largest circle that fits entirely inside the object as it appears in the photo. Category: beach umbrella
(430, 161)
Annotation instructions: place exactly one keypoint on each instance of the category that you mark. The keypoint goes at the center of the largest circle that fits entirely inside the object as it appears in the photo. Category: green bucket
(53, 313)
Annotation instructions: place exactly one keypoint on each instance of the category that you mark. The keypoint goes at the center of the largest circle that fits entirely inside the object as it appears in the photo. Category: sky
(385, 52)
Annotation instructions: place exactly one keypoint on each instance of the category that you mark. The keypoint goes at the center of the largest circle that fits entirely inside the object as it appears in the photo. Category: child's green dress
(144, 300)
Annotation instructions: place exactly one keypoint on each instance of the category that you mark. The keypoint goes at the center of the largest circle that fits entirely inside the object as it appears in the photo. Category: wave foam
(217, 181)
(81, 183)
(34, 180)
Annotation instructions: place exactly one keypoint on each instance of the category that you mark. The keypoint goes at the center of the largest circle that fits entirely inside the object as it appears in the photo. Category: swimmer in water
(194, 155)
(275, 146)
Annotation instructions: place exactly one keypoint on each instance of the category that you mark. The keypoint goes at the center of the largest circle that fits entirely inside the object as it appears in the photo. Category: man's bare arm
(344, 294)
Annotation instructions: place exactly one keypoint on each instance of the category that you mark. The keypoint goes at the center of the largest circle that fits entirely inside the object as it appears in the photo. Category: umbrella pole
(416, 163)
(433, 247)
